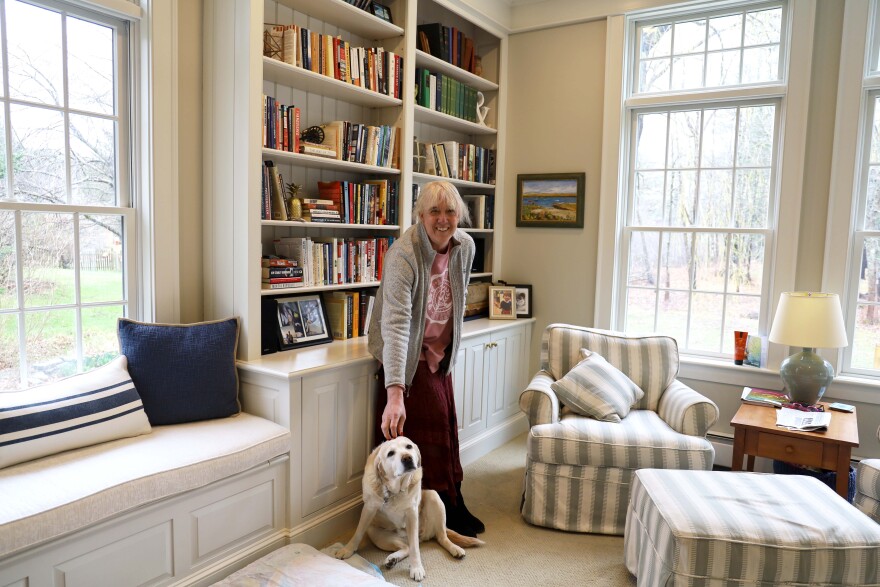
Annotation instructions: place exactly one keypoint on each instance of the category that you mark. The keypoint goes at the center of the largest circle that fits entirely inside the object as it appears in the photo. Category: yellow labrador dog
(397, 513)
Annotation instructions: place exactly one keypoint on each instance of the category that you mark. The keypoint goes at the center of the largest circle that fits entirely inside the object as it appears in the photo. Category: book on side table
(764, 397)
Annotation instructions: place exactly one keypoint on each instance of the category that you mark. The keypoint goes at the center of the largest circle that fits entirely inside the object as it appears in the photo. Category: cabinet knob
(789, 449)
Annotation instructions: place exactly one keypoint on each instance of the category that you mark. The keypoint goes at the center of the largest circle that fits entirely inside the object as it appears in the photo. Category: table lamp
(809, 320)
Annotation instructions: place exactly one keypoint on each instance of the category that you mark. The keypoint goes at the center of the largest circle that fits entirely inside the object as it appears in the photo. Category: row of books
(348, 313)
(371, 68)
(373, 201)
(445, 94)
(363, 143)
(448, 44)
(481, 208)
(278, 273)
(281, 125)
(335, 261)
(456, 160)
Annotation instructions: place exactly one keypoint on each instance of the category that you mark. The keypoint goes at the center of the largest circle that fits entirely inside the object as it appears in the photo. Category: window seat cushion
(62, 493)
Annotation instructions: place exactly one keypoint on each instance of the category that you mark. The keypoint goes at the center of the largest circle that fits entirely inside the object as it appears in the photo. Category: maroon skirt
(430, 423)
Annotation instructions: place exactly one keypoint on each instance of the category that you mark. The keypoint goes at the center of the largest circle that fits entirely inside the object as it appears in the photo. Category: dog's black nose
(408, 463)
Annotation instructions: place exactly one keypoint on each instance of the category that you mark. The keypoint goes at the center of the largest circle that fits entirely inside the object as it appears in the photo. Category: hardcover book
(763, 397)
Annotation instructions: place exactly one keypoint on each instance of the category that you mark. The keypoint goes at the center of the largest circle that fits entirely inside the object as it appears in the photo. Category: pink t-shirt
(438, 318)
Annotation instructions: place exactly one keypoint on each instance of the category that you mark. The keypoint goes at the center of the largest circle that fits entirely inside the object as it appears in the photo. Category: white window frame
(781, 251)
(857, 86)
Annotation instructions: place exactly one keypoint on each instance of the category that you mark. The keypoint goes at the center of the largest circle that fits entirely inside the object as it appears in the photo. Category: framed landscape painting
(553, 200)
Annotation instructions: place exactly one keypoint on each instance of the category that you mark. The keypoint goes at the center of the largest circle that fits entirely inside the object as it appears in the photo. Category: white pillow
(86, 409)
(595, 388)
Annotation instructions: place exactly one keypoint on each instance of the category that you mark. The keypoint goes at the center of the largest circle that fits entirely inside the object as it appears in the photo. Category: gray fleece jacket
(397, 326)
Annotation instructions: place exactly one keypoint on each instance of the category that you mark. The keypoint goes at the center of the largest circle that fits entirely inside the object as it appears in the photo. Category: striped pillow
(595, 388)
(86, 409)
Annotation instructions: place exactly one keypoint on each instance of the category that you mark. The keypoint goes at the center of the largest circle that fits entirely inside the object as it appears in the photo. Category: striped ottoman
(717, 529)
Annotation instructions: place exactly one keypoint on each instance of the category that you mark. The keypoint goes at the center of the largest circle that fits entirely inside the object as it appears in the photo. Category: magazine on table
(803, 421)
(763, 397)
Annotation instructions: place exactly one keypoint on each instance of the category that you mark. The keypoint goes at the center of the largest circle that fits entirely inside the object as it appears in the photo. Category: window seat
(71, 506)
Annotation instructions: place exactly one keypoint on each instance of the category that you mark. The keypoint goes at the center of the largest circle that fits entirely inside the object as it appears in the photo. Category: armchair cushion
(686, 410)
(597, 389)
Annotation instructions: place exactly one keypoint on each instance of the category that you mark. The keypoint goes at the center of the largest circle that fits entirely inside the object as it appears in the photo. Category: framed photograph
(522, 300)
(302, 321)
(550, 200)
(381, 11)
(501, 303)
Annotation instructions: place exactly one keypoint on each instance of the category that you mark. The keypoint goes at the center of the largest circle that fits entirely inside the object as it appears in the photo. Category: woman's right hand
(395, 413)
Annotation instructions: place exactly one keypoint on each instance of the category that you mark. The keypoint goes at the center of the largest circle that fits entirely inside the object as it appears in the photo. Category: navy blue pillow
(183, 372)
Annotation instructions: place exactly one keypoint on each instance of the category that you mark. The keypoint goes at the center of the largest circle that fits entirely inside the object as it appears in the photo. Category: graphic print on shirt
(439, 299)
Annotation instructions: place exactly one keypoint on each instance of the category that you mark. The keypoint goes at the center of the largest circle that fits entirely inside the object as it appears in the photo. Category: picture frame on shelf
(301, 321)
(382, 11)
(550, 200)
(523, 300)
(501, 304)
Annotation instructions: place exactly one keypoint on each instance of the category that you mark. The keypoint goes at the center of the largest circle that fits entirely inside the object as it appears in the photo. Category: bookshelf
(237, 75)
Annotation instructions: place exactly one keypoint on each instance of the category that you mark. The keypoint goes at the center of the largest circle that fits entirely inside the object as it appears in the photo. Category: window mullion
(19, 292)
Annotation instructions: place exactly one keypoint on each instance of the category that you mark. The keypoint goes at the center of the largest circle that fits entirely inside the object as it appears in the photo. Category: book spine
(282, 285)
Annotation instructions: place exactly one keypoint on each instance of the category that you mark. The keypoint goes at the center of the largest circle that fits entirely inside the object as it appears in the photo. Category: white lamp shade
(810, 320)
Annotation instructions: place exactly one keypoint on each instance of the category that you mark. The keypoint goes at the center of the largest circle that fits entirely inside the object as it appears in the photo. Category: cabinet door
(472, 411)
(337, 424)
(506, 365)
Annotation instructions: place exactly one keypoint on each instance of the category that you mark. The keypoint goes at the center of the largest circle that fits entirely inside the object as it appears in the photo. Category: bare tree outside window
(63, 211)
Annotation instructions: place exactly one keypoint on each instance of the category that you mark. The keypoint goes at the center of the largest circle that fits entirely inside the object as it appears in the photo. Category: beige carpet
(515, 553)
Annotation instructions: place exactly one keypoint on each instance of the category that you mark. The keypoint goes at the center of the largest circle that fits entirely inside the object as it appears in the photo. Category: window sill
(844, 387)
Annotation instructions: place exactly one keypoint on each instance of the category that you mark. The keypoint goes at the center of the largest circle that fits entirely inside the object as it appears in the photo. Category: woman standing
(415, 332)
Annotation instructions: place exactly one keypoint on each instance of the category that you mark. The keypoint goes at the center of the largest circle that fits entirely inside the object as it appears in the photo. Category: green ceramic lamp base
(806, 376)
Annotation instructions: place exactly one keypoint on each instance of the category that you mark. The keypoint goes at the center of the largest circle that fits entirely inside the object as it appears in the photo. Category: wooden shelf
(479, 230)
(309, 81)
(428, 116)
(297, 224)
(426, 177)
(293, 291)
(325, 163)
(436, 65)
(346, 16)
(480, 275)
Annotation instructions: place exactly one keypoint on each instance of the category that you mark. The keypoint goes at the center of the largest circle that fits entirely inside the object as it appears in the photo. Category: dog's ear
(380, 478)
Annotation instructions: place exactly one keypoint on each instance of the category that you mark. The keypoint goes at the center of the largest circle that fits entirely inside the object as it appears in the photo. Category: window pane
(710, 259)
(718, 137)
(742, 314)
(47, 259)
(654, 75)
(715, 198)
(38, 152)
(4, 166)
(10, 373)
(8, 291)
(872, 204)
(760, 65)
(865, 351)
(722, 69)
(35, 56)
(92, 160)
(672, 315)
(655, 41)
(643, 258)
(725, 32)
(100, 344)
(640, 304)
(705, 326)
(675, 261)
(90, 64)
(690, 37)
(50, 345)
(752, 198)
(684, 139)
(763, 27)
(755, 136)
(875, 133)
(746, 272)
(100, 251)
(651, 141)
(687, 72)
(681, 189)
(648, 207)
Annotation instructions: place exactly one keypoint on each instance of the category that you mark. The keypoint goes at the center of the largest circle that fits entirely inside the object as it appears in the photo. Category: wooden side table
(756, 434)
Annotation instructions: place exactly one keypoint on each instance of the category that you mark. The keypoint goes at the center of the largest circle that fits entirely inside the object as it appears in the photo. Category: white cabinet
(470, 382)
(337, 420)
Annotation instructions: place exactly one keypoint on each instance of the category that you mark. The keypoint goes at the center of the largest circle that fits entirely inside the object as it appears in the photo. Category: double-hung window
(703, 108)
(66, 221)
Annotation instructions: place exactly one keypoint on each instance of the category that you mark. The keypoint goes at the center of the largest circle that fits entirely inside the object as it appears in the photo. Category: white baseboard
(237, 560)
(487, 441)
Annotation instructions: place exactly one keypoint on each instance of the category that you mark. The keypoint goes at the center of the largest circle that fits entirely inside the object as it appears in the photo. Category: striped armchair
(578, 470)
(868, 487)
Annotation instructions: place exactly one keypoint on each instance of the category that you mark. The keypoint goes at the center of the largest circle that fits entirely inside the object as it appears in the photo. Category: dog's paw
(392, 560)
(344, 552)
(457, 551)
(417, 573)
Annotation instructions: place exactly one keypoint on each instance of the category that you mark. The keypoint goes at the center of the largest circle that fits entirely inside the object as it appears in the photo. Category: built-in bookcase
(237, 75)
